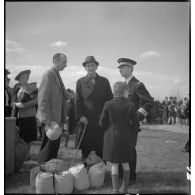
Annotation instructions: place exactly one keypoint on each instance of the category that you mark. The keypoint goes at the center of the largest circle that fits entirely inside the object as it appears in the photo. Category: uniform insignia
(139, 83)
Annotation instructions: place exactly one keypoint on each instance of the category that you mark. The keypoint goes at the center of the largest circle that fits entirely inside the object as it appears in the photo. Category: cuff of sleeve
(143, 111)
(46, 122)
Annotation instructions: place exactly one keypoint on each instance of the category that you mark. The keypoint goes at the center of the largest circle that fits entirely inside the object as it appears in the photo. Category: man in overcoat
(52, 105)
(139, 95)
(92, 91)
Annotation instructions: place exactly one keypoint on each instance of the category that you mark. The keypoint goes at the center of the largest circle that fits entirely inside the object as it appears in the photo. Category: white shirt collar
(127, 80)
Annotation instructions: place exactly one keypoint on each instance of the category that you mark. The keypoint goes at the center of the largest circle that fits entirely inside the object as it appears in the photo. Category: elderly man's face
(61, 62)
(126, 71)
(91, 68)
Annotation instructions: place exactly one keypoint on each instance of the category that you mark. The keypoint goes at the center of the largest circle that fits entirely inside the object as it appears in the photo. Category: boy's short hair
(119, 88)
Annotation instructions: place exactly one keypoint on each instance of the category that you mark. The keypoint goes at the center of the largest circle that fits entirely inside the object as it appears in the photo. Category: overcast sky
(155, 34)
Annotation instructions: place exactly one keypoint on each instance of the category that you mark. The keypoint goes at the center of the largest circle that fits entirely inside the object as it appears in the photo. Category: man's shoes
(132, 181)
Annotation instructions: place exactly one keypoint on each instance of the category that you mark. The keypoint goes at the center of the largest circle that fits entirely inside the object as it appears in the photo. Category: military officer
(143, 101)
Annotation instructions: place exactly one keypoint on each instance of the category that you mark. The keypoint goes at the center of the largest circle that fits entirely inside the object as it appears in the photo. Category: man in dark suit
(92, 91)
(139, 95)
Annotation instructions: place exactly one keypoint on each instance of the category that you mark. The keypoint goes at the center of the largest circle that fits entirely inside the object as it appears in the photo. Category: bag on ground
(21, 150)
(33, 174)
(96, 174)
(44, 183)
(54, 166)
(92, 159)
(81, 180)
(63, 183)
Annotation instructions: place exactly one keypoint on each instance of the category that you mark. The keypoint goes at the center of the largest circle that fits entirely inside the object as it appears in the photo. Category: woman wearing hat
(26, 103)
(120, 124)
(92, 91)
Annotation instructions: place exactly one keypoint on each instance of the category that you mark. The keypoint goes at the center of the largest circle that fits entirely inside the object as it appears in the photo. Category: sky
(155, 34)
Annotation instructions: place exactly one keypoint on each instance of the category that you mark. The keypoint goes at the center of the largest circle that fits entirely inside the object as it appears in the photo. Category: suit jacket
(52, 104)
(89, 103)
(139, 95)
(120, 123)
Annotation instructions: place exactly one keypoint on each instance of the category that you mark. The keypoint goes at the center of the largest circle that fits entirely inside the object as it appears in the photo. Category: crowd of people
(112, 118)
(21, 102)
(170, 111)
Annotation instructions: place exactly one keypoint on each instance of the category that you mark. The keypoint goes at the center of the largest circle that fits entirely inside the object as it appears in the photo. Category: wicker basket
(10, 132)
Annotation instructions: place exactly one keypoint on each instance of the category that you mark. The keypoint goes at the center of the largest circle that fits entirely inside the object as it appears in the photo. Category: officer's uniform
(139, 95)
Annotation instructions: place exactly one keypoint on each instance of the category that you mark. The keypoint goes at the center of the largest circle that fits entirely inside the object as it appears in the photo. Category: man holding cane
(92, 91)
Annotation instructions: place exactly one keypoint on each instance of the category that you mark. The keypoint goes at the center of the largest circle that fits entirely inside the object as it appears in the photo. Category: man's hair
(119, 88)
(57, 56)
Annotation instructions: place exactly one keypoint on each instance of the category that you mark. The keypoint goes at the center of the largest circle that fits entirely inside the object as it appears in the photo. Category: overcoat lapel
(61, 86)
(132, 81)
(88, 86)
(57, 79)
(96, 86)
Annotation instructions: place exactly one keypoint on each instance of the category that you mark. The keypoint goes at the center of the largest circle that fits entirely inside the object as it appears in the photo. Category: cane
(79, 144)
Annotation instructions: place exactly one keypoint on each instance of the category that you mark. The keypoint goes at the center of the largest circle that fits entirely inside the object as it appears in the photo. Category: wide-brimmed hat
(126, 62)
(21, 73)
(54, 131)
(90, 59)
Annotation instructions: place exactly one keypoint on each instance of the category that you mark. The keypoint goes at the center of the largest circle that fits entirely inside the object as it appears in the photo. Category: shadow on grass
(166, 178)
(147, 182)
(161, 182)
(20, 178)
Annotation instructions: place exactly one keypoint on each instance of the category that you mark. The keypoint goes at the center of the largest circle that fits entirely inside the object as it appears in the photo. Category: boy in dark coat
(120, 124)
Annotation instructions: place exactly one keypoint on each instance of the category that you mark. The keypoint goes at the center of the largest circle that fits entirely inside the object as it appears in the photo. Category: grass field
(161, 164)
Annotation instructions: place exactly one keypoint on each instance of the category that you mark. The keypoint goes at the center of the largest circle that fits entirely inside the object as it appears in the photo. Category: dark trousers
(132, 164)
(41, 129)
(49, 149)
(7, 111)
